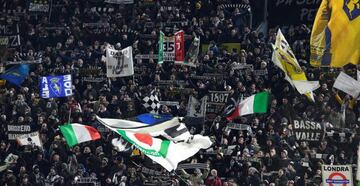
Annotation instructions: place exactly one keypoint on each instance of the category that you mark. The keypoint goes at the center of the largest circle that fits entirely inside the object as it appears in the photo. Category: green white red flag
(77, 133)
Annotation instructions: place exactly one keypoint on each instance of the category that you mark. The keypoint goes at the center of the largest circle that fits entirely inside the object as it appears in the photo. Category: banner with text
(215, 104)
(308, 130)
(56, 86)
(39, 6)
(9, 34)
(119, 63)
(218, 97)
(336, 175)
(15, 131)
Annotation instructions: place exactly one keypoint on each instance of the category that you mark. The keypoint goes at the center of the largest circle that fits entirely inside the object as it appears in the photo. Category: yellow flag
(335, 36)
(284, 58)
(2, 82)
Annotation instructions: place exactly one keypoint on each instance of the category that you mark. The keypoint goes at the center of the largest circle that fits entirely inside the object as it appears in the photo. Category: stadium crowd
(268, 155)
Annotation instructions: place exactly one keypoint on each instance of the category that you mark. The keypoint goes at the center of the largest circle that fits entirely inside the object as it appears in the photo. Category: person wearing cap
(213, 179)
(284, 159)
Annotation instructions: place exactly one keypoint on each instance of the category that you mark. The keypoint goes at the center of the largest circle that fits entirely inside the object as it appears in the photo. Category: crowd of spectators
(269, 155)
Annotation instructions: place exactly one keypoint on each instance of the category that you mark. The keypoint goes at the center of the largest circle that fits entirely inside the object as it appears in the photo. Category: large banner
(295, 11)
(119, 63)
(337, 175)
(56, 86)
(308, 130)
(15, 131)
(9, 34)
(216, 101)
(39, 6)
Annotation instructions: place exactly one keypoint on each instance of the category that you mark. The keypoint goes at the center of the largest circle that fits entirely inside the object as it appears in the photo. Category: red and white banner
(179, 46)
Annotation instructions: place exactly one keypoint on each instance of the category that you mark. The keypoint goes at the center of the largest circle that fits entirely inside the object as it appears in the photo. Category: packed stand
(269, 155)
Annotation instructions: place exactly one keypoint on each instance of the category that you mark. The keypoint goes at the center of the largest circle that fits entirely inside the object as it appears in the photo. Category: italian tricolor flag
(77, 133)
(257, 103)
(165, 152)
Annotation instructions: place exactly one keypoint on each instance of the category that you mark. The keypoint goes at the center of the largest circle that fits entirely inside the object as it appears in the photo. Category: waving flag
(77, 133)
(335, 36)
(163, 151)
(16, 74)
(139, 127)
(347, 84)
(151, 103)
(56, 86)
(257, 103)
(284, 58)
(153, 118)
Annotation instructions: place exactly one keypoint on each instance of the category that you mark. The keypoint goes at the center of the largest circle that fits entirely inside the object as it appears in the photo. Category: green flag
(161, 48)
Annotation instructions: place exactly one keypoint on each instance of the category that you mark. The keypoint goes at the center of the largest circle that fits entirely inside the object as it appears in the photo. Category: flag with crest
(56, 86)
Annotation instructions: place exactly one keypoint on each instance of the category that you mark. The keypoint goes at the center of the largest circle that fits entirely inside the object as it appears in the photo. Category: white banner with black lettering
(119, 63)
(308, 130)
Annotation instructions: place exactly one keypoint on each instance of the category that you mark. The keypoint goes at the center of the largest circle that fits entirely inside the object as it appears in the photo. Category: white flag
(165, 152)
(196, 108)
(120, 144)
(284, 58)
(347, 84)
(119, 63)
(29, 139)
(304, 87)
